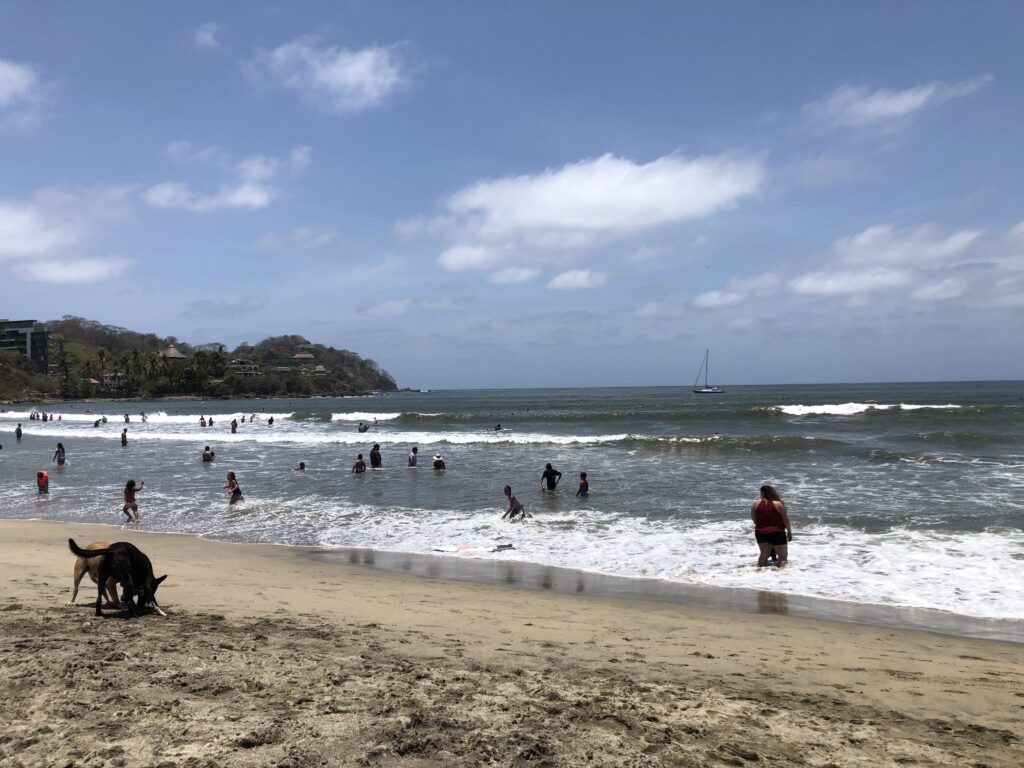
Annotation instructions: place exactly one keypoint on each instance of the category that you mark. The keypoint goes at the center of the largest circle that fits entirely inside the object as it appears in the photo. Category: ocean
(906, 495)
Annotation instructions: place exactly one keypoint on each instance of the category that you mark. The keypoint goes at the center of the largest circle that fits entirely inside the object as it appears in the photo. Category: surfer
(771, 526)
(515, 507)
(551, 476)
(413, 455)
(234, 489)
(59, 456)
(130, 490)
(362, 427)
(208, 454)
(584, 489)
(375, 461)
(497, 428)
(359, 466)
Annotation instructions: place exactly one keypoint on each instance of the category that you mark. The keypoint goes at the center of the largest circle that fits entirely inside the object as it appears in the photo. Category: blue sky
(505, 195)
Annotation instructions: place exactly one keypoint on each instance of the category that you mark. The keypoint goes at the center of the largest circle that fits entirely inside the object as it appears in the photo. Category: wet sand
(281, 656)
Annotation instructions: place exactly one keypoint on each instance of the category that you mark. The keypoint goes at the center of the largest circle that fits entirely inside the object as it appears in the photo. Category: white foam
(852, 409)
(364, 416)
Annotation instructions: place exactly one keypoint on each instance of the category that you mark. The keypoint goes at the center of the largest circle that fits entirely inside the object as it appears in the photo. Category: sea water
(899, 494)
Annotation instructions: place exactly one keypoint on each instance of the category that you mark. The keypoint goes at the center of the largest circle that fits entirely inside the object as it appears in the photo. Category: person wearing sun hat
(439, 461)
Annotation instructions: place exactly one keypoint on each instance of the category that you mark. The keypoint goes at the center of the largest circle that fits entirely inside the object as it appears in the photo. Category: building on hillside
(282, 369)
(243, 367)
(303, 356)
(173, 353)
(307, 347)
(28, 338)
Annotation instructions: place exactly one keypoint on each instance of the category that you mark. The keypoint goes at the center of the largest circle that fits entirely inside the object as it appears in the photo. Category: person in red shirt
(43, 483)
(771, 526)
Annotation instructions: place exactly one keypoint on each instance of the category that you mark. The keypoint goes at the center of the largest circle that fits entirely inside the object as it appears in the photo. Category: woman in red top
(771, 526)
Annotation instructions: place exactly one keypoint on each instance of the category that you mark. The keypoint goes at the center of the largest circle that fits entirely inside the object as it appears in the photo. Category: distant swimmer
(210, 421)
(142, 415)
(234, 489)
(301, 467)
(17, 433)
(413, 455)
(96, 423)
(359, 466)
(202, 421)
(771, 526)
(516, 510)
(362, 427)
(124, 437)
(208, 455)
(103, 419)
(270, 421)
(42, 483)
(439, 461)
(584, 489)
(497, 428)
(551, 476)
(59, 455)
(127, 420)
(130, 489)
(234, 426)
(375, 461)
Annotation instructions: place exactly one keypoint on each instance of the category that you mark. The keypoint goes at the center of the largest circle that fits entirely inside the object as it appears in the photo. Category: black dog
(129, 566)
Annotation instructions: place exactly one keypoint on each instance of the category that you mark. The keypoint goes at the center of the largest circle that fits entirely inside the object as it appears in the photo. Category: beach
(270, 655)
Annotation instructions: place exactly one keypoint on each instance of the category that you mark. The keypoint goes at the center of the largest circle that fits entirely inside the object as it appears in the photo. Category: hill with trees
(90, 359)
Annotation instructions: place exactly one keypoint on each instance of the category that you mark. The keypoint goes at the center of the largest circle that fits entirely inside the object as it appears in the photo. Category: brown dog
(92, 566)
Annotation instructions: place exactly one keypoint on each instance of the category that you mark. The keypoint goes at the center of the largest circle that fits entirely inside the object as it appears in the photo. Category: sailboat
(705, 390)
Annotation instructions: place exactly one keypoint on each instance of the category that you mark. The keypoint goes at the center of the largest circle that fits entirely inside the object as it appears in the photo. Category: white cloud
(70, 272)
(718, 298)
(606, 195)
(20, 95)
(206, 36)
(185, 152)
(886, 245)
(334, 79)
(949, 288)
(463, 257)
(738, 290)
(661, 309)
(304, 238)
(513, 275)
(1018, 230)
(251, 189)
(852, 106)
(56, 220)
(842, 281)
(576, 279)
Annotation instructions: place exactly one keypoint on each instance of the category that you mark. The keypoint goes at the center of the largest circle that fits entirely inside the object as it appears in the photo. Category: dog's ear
(156, 582)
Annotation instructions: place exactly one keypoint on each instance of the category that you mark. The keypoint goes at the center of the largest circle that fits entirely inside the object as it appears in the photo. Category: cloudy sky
(530, 194)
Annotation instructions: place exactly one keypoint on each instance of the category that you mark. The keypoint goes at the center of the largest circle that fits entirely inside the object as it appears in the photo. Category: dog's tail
(77, 550)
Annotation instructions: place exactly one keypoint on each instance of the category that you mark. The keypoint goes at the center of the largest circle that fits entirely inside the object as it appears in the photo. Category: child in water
(234, 489)
(130, 490)
(515, 507)
(584, 489)
(42, 483)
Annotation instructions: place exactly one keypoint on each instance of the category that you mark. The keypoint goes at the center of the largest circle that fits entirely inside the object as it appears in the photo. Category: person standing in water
(130, 489)
(584, 489)
(515, 507)
(375, 461)
(439, 461)
(234, 489)
(59, 455)
(551, 476)
(413, 455)
(208, 454)
(17, 433)
(124, 437)
(42, 483)
(360, 465)
(234, 426)
(772, 528)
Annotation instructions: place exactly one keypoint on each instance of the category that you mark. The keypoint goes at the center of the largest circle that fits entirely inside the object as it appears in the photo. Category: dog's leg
(156, 607)
(79, 574)
(129, 594)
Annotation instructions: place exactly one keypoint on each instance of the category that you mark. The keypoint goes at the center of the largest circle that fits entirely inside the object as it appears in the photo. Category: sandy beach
(271, 657)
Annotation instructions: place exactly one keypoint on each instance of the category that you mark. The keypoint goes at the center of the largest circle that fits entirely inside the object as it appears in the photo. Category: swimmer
(234, 489)
(359, 466)
(301, 467)
(551, 476)
(584, 489)
(130, 489)
(124, 437)
(208, 454)
(270, 421)
(439, 461)
(413, 455)
(59, 455)
(515, 507)
(375, 460)
(17, 433)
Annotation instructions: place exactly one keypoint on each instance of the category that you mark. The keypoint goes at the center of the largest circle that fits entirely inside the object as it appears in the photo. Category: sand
(269, 657)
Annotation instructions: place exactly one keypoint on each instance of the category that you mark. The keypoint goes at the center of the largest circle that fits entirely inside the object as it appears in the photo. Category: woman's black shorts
(778, 538)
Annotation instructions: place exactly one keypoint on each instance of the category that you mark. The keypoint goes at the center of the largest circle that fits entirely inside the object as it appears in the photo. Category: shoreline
(524, 575)
(271, 657)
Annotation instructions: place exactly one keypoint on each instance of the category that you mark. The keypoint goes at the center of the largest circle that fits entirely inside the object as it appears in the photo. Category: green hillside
(89, 359)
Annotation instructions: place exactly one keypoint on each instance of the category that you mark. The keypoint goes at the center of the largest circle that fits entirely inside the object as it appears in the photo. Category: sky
(492, 194)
